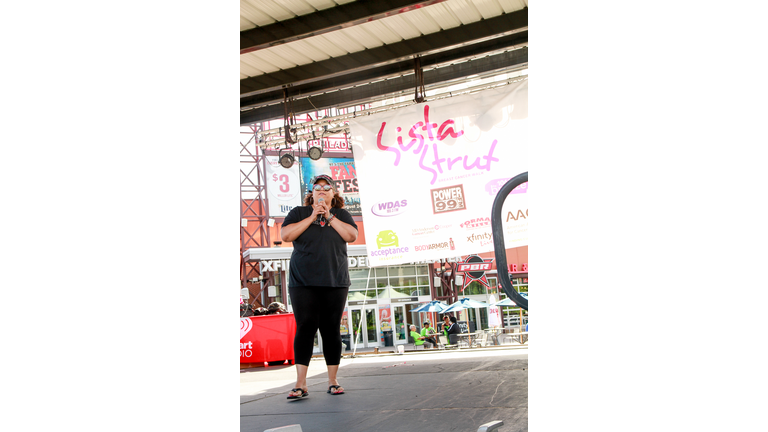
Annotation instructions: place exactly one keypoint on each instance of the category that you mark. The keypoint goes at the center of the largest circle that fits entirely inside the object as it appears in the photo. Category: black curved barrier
(498, 239)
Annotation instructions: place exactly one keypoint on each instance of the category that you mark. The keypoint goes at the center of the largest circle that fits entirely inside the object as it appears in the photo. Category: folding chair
(444, 344)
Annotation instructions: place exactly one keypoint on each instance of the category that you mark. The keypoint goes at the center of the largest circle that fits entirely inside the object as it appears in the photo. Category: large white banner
(428, 175)
(283, 187)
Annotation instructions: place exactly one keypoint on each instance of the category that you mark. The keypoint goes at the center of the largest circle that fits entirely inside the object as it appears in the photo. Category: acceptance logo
(389, 244)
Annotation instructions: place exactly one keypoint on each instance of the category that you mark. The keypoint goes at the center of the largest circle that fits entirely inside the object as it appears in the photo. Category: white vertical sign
(494, 314)
(283, 187)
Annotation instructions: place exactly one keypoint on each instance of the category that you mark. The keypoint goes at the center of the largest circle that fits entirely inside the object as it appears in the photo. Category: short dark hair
(453, 320)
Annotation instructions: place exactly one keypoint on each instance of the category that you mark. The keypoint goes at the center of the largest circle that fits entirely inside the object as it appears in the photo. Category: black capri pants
(318, 308)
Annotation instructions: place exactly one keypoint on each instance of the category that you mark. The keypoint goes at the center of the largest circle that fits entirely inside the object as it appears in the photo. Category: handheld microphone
(320, 217)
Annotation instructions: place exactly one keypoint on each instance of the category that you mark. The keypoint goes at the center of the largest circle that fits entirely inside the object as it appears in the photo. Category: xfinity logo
(483, 236)
(389, 208)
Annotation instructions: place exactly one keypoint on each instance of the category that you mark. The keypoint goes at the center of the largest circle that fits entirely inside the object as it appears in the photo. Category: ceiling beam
(324, 21)
(502, 25)
(387, 71)
(359, 95)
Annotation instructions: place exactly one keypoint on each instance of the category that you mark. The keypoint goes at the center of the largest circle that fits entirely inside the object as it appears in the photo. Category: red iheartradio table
(267, 338)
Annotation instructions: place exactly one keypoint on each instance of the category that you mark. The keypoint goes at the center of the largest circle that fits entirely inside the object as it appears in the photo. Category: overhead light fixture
(315, 152)
(286, 160)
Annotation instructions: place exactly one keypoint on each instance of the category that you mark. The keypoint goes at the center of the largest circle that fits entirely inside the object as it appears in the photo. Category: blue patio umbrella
(506, 302)
(433, 306)
(465, 303)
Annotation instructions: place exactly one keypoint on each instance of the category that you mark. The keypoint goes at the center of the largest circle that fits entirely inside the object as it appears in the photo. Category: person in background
(419, 339)
(429, 334)
(344, 330)
(453, 330)
(319, 275)
(446, 324)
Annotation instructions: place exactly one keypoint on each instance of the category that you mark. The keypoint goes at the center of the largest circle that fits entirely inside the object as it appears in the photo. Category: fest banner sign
(428, 175)
(283, 187)
(343, 173)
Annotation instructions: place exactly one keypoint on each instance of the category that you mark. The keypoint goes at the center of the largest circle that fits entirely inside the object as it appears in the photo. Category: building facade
(381, 300)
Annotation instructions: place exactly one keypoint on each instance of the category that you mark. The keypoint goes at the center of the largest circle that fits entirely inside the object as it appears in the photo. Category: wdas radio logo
(389, 208)
(448, 199)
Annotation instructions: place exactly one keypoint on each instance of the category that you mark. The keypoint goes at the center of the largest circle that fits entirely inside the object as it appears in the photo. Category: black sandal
(335, 387)
(303, 393)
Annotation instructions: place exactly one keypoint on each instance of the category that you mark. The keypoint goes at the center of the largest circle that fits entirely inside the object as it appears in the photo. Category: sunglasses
(323, 187)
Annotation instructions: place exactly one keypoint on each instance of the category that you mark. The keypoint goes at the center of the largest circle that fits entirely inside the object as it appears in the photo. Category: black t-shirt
(319, 255)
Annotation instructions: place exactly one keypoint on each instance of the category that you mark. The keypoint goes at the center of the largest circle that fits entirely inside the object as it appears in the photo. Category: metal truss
(254, 212)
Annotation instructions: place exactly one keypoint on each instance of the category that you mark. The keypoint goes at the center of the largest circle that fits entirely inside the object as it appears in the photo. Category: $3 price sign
(283, 182)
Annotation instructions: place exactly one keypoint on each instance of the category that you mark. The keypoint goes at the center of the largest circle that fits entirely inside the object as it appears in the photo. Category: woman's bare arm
(347, 232)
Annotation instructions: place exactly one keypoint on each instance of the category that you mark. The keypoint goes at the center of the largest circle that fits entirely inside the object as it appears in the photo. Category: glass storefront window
(373, 293)
(406, 291)
(402, 271)
(474, 288)
(377, 283)
(403, 281)
(363, 294)
(410, 280)
(483, 318)
(520, 284)
(512, 315)
(361, 273)
(399, 324)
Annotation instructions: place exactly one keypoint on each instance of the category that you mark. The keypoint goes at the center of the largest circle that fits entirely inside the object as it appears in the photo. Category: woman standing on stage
(318, 281)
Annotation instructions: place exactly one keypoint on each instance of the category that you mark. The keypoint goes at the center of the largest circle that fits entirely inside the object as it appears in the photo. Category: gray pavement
(456, 390)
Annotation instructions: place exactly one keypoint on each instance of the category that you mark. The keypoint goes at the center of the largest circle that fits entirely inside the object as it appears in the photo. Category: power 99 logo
(448, 199)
